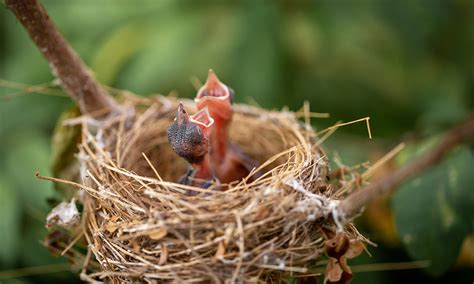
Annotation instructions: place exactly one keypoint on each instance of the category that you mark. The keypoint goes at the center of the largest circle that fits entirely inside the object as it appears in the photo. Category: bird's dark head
(189, 135)
(216, 96)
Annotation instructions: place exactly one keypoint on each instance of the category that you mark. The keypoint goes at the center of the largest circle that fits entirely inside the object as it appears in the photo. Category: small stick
(337, 125)
(65, 63)
(35, 270)
(72, 243)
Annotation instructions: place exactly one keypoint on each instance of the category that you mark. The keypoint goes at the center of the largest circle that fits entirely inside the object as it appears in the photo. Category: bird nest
(139, 224)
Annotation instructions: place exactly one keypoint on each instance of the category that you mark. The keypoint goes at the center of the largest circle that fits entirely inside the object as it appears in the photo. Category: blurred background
(409, 65)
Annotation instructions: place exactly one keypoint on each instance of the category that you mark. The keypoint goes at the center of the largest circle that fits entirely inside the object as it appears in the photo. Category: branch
(354, 203)
(65, 63)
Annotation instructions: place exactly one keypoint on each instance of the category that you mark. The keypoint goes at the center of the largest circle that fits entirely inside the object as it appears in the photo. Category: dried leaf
(130, 224)
(158, 234)
(333, 271)
(163, 255)
(136, 246)
(337, 246)
(111, 227)
(210, 236)
(220, 251)
(114, 218)
(229, 231)
(337, 272)
(55, 241)
(355, 249)
(343, 263)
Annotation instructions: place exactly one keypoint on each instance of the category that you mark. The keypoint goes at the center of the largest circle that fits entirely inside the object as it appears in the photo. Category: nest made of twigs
(140, 225)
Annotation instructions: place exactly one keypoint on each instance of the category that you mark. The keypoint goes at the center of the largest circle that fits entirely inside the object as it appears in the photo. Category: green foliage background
(408, 65)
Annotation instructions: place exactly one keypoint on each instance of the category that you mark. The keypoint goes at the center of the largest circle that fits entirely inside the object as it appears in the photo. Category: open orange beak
(216, 96)
(203, 120)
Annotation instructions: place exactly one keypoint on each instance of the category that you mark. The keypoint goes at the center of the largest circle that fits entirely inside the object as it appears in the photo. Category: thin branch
(65, 63)
(35, 270)
(354, 203)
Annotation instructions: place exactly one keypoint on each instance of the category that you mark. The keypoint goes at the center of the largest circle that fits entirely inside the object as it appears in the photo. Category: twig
(372, 267)
(35, 270)
(65, 63)
(337, 125)
(353, 204)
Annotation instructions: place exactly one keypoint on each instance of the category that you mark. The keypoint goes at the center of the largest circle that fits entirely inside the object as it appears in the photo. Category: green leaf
(435, 211)
(64, 147)
(65, 140)
(9, 223)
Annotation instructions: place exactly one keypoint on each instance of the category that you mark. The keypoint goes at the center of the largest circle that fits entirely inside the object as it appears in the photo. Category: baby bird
(189, 138)
(228, 161)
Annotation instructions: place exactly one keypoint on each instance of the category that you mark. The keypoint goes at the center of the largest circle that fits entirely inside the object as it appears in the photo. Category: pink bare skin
(189, 138)
(229, 162)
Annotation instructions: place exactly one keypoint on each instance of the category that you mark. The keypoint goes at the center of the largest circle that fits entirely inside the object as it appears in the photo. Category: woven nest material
(140, 225)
